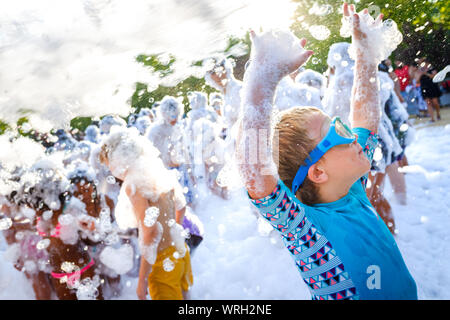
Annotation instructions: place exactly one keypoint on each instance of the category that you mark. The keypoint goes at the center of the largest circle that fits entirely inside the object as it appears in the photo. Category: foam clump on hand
(382, 39)
(275, 49)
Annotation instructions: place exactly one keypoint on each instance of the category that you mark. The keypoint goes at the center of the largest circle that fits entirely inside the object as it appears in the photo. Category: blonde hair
(293, 145)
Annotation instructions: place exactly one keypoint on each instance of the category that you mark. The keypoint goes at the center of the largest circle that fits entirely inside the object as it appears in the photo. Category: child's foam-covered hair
(170, 109)
(142, 123)
(92, 133)
(311, 78)
(110, 120)
(215, 96)
(79, 169)
(44, 184)
(227, 65)
(339, 56)
(197, 100)
(129, 153)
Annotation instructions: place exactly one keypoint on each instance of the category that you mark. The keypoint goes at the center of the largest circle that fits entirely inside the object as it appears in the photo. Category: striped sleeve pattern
(320, 267)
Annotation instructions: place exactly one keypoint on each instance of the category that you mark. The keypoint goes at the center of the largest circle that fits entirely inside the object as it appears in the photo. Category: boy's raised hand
(358, 35)
(279, 51)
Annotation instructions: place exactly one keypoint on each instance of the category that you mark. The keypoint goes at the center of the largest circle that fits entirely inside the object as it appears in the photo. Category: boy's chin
(365, 169)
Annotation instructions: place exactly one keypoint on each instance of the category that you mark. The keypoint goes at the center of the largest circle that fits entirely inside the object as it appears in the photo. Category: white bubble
(87, 289)
(49, 173)
(19, 235)
(168, 265)
(111, 180)
(54, 205)
(389, 23)
(5, 223)
(43, 244)
(69, 267)
(222, 179)
(378, 154)
(372, 80)
(25, 127)
(404, 127)
(423, 219)
(344, 63)
(171, 222)
(319, 32)
(440, 76)
(151, 215)
(47, 215)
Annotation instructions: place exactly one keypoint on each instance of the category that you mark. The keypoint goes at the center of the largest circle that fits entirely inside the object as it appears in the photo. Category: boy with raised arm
(315, 194)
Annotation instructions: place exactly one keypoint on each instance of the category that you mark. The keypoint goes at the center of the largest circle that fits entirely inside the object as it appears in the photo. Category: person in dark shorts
(430, 90)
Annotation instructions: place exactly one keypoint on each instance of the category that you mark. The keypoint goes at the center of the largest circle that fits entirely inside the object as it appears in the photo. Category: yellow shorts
(168, 285)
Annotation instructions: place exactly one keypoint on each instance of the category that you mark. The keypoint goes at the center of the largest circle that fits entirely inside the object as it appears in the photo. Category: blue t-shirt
(342, 249)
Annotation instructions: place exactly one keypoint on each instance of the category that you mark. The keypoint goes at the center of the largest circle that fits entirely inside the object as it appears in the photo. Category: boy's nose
(354, 142)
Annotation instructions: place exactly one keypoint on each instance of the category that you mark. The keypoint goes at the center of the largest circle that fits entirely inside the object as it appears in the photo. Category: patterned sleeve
(369, 142)
(280, 209)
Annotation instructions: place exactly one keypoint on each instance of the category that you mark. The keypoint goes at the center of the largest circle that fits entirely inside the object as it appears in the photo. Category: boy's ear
(317, 173)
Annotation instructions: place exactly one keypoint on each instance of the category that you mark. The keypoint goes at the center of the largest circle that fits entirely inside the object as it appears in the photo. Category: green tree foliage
(4, 127)
(423, 23)
(142, 98)
(80, 123)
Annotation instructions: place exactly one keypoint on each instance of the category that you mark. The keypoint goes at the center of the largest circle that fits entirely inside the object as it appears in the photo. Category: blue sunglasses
(339, 133)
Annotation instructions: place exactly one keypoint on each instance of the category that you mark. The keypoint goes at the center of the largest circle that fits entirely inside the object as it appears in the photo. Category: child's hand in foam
(280, 52)
(357, 31)
(372, 39)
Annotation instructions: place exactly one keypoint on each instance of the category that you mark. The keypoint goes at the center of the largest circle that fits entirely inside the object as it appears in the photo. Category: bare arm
(144, 272)
(180, 215)
(365, 109)
(253, 149)
(147, 236)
